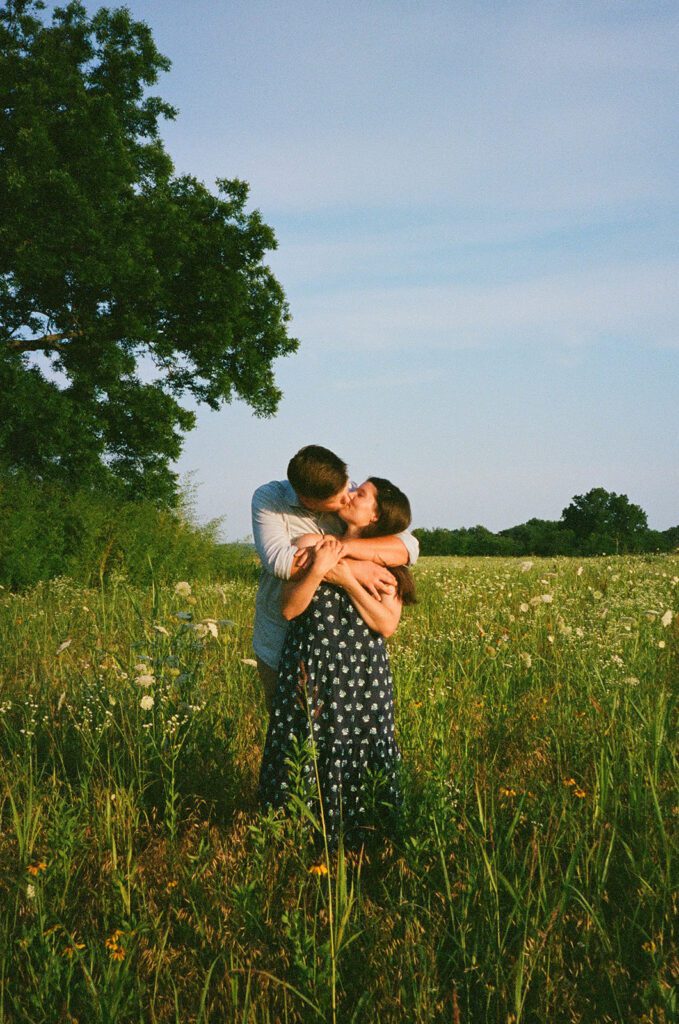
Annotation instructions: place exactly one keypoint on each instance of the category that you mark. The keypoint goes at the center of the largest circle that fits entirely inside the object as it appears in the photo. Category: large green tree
(126, 291)
(604, 522)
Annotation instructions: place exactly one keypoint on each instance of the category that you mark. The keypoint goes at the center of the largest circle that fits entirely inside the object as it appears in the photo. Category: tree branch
(44, 344)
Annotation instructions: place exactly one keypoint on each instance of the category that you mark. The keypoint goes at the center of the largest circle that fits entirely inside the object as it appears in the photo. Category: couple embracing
(334, 580)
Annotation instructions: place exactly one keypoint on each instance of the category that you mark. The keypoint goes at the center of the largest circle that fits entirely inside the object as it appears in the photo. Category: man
(307, 502)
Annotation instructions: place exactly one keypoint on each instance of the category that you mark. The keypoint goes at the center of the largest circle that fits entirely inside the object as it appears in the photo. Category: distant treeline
(48, 530)
(599, 522)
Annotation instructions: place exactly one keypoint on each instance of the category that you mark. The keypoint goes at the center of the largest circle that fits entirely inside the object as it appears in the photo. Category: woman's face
(361, 510)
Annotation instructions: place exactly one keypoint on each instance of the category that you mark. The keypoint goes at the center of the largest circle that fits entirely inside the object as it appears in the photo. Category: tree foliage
(125, 291)
(599, 522)
(605, 522)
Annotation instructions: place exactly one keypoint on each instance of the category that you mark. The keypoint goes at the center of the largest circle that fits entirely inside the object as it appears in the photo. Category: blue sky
(476, 209)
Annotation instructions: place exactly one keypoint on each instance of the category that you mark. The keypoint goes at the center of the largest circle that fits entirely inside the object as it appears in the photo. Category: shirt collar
(293, 499)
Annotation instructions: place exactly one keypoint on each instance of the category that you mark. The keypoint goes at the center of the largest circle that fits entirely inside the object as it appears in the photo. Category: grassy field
(533, 876)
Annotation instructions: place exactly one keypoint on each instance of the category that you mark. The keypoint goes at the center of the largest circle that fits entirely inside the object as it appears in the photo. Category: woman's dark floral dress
(334, 681)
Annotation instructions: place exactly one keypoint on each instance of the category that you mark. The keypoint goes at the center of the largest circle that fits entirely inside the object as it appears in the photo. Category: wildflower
(580, 793)
(71, 949)
(249, 661)
(182, 589)
(649, 947)
(62, 647)
(667, 618)
(172, 884)
(174, 672)
(211, 626)
(523, 607)
(579, 571)
(147, 702)
(509, 793)
(112, 941)
(30, 891)
(417, 703)
(526, 566)
(526, 659)
(36, 869)
(616, 659)
(661, 645)
(318, 869)
(62, 698)
(145, 680)
(569, 782)
(547, 598)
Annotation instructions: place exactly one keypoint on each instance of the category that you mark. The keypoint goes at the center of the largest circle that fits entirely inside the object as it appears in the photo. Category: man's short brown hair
(317, 473)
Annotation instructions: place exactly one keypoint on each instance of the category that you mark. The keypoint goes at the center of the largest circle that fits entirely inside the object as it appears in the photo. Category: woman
(334, 680)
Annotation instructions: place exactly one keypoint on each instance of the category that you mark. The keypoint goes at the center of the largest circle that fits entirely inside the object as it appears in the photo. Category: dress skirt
(332, 720)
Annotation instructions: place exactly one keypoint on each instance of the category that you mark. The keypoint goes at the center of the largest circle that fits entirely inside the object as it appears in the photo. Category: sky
(476, 207)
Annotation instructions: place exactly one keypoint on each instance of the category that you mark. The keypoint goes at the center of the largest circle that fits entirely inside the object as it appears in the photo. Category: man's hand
(376, 579)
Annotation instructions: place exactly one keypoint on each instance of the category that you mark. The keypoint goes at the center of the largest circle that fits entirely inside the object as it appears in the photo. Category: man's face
(332, 504)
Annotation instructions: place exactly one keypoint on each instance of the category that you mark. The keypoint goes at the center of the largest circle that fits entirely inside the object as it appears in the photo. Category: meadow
(531, 878)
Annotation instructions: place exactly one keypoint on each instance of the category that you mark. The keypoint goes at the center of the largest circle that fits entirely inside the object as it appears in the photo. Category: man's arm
(399, 549)
(271, 537)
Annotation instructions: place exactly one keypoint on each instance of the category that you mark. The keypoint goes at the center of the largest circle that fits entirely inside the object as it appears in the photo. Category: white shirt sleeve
(270, 534)
(412, 545)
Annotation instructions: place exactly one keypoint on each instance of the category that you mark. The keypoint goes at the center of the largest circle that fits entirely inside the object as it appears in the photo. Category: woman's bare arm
(298, 592)
(382, 615)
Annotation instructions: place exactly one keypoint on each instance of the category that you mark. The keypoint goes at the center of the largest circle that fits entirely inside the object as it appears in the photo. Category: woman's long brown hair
(393, 516)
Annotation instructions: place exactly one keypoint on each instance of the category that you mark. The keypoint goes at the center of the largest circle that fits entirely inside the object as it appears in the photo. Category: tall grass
(532, 877)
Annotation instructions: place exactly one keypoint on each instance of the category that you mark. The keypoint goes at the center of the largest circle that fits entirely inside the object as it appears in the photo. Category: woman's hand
(340, 574)
(327, 554)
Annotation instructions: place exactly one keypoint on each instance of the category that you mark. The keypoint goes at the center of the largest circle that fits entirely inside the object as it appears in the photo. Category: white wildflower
(182, 589)
(142, 668)
(526, 566)
(661, 645)
(526, 659)
(147, 702)
(667, 618)
(30, 891)
(579, 571)
(523, 607)
(547, 598)
(145, 680)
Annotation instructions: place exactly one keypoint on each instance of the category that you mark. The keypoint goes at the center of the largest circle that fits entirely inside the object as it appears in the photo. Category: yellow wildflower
(318, 869)
(35, 869)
